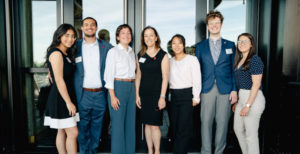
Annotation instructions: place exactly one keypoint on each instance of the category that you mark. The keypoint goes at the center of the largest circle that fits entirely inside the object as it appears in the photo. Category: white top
(120, 63)
(186, 73)
(91, 65)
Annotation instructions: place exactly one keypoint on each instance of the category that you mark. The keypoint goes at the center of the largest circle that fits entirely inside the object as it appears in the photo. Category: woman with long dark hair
(60, 110)
(185, 88)
(251, 103)
(151, 86)
(119, 77)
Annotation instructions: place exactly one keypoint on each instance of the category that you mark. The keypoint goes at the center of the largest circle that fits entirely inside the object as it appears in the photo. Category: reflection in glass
(109, 15)
(43, 27)
(234, 23)
(170, 17)
(40, 80)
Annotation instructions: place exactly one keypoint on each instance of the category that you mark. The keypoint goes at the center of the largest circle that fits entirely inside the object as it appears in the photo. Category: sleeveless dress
(56, 112)
(150, 87)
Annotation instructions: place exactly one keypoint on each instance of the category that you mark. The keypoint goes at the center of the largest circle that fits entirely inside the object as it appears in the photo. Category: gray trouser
(214, 106)
(246, 128)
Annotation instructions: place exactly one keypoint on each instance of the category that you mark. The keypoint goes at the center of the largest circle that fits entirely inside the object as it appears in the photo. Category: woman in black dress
(151, 85)
(61, 111)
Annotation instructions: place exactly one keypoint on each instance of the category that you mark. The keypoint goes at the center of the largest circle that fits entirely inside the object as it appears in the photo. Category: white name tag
(228, 51)
(78, 59)
(142, 60)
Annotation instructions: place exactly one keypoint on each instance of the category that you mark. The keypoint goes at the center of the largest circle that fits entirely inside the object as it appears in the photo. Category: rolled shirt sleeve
(109, 73)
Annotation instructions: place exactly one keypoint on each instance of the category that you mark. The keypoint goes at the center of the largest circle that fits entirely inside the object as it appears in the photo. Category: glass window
(109, 15)
(234, 23)
(43, 26)
(44, 23)
(170, 17)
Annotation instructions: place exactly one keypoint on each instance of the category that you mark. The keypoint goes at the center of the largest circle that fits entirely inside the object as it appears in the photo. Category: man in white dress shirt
(89, 86)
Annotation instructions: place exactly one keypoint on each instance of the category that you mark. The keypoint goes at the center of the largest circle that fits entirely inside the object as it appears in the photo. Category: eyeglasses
(214, 22)
(243, 41)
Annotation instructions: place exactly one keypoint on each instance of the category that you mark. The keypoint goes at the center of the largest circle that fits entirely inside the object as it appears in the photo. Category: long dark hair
(239, 55)
(61, 30)
(181, 38)
(143, 44)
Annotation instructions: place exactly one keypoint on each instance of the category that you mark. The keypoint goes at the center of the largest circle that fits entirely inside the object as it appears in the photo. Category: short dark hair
(89, 18)
(214, 14)
(181, 37)
(119, 30)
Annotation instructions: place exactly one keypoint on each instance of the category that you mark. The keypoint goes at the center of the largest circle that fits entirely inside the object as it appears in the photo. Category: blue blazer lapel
(101, 51)
(79, 54)
(223, 52)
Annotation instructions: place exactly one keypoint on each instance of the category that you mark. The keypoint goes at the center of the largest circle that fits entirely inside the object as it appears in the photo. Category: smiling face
(214, 25)
(150, 38)
(68, 39)
(89, 28)
(177, 46)
(124, 36)
(244, 44)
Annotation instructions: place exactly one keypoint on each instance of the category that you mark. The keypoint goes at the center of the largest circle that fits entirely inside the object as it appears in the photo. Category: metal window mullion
(125, 12)
(8, 28)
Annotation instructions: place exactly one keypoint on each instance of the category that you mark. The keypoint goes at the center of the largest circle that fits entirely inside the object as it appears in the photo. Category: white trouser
(246, 127)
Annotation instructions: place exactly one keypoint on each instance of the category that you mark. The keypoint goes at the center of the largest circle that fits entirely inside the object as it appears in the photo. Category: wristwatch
(248, 105)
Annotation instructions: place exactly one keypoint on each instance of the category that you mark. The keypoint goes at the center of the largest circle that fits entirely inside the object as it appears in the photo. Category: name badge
(68, 59)
(142, 60)
(228, 51)
(78, 59)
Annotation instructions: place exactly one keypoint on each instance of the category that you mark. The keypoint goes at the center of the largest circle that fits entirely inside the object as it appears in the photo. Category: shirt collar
(122, 48)
(212, 41)
(91, 44)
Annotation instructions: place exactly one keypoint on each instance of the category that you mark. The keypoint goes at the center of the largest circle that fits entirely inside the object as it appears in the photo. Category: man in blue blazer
(89, 86)
(216, 57)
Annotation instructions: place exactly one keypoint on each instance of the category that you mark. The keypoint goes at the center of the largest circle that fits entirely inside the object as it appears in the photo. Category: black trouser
(181, 118)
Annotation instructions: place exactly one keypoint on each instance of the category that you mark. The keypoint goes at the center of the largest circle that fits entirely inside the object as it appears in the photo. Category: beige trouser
(246, 127)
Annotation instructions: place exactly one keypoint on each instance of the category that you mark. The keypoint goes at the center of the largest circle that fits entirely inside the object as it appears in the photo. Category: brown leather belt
(128, 80)
(93, 90)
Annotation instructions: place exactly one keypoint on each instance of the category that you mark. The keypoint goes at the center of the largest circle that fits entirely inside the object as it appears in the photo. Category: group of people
(89, 73)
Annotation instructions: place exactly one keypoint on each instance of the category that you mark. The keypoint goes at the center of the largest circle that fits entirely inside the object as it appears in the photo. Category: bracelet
(248, 105)
(163, 96)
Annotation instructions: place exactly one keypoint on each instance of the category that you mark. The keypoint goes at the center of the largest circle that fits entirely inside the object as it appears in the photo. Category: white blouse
(186, 73)
(120, 63)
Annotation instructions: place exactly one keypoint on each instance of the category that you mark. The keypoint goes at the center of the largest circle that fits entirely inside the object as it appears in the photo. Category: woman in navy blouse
(251, 103)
